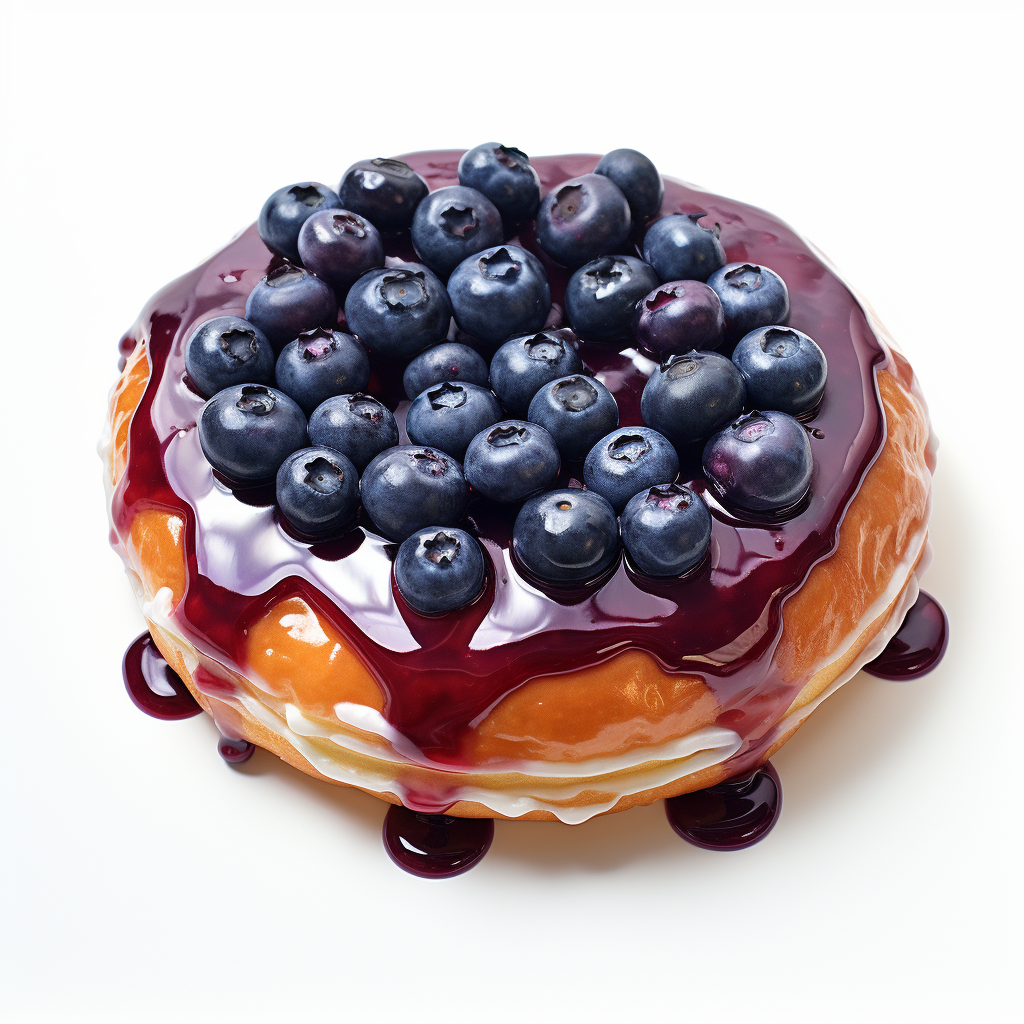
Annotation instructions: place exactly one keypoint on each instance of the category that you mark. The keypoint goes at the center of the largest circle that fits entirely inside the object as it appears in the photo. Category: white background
(144, 880)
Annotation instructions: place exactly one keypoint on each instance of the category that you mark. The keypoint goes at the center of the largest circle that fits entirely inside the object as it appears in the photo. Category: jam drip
(435, 845)
(730, 816)
(153, 685)
(235, 751)
(918, 645)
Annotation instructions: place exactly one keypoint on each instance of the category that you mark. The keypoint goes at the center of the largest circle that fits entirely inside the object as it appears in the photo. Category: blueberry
(356, 425)
(317, 492)
(227, 350)
(680, 249)
(285, 212)
(321, 363)
(677, 317)
(439, 569)
(288, 301)
(505, 176)
(752, 296)
(408, 488)
(512, 460)
(248, 430)
(782, 369)
(761, 462)
(691, 396)
(626, 461)
(566, 536)
(666, 529)
(638, 178)
(338, 246)
(450, 415)
(452, 224)
(601, 296)
(583, 218)
(447, 361)
(500, 292)
(398, 311)
(385, 192)
(522, 366)
(577, 411)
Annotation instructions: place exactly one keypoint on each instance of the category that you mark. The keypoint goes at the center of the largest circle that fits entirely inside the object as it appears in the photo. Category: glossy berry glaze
(435, 845)
(438, 675)
(733, 815)
(918, 645)
(153, 685)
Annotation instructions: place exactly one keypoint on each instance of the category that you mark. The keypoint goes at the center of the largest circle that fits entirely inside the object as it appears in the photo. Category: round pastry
(639, 583)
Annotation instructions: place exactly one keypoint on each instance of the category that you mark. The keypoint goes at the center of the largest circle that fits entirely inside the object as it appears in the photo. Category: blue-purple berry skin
(628, 460)
(601, 297)
(637, 177)
(283, 214)
(384, 191)
(666, 529)
(357, 425)
(317, 492)
(681, 249)
(449, 415)
(583, 218)
(577, 411)
(523, 365)
(761, 462)
(691, 396)
(452, 224)
(288, 301)
(439, 569)
(339, 246)
(321, 363)
(450, 360)
(783, 369)
(752, 296)
(228, 350)
(505, 176)
(679, 316)
(511, 460)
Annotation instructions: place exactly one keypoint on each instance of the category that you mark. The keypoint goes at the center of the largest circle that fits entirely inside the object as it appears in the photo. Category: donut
(666, 664)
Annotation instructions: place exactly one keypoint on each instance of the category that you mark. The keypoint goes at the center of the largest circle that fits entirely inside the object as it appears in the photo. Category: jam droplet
(918, 645)
(153, 685)
(235, 751)
(435, 845)
(730, 816)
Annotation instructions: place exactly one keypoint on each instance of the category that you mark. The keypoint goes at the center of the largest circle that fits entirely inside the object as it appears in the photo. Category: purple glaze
(234, 750)
(918, 645)
(153, 685)
(435, 845)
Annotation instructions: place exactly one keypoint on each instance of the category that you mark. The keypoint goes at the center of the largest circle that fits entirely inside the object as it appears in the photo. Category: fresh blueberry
(680, 249)
(691, 396)
(321, 363)
(576, 411)
(752, 296)
(512, 460)
(677, 317)
(246, 431)
(338, 246)
(408, 488)
(783, 369)
(398, 311)
(638, 178)
(505, 176)
(227, 350)
(626, 461)
(452, 224)
(500, 292)
(439, 569)
(666, 529)
(566, 536)
(522, 366)
(357, 425)
(288, 301)
(450, 415)
(761, 462)
(317, 492)
(583, 218)
(385, 192)
(448, 361)
(601, 296)
(285, 212)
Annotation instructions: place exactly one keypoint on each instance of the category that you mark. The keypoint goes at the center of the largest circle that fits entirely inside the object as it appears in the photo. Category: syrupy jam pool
(918, 645)
(439, 675)
(153, 685)
(435, 845)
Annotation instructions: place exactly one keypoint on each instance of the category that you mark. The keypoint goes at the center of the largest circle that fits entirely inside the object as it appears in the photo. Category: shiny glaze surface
(435, 845)
(730, 816)
(153, 685)
(439, 675)
(918, 645)
(235, 751)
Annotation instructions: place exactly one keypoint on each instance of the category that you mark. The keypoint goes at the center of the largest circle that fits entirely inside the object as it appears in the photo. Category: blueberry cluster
(500, 398)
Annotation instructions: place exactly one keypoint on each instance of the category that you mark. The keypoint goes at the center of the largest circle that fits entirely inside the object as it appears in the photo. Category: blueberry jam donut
(502, 488)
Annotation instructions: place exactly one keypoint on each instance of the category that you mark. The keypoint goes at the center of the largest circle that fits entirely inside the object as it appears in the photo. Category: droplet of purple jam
(153, 685)
(435, 845)
(730, 816)
(918, 645)
(235, 751)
